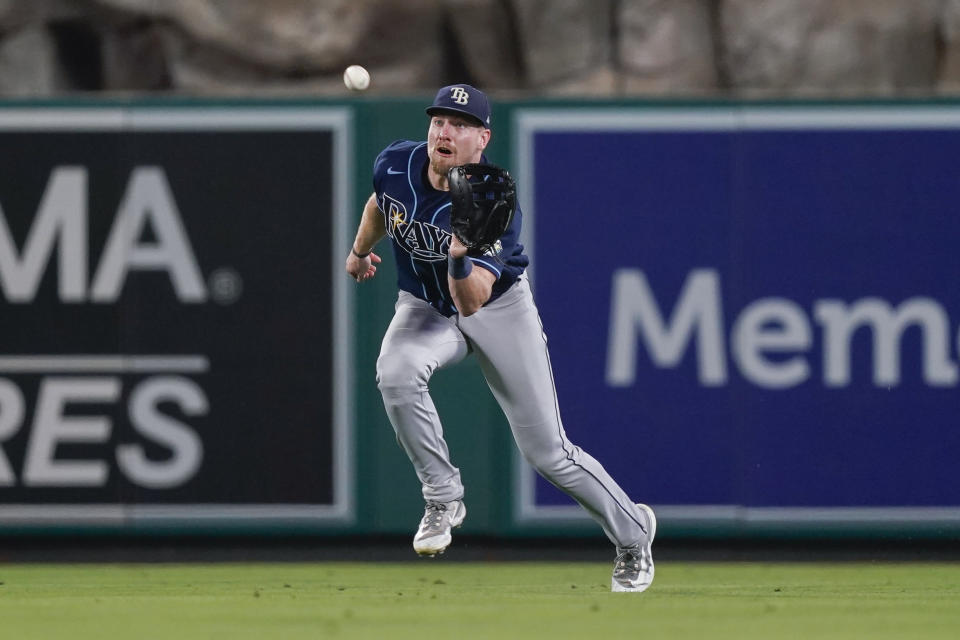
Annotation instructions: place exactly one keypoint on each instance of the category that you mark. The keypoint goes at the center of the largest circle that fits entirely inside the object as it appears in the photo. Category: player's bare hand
(457, 248)
(361, 269)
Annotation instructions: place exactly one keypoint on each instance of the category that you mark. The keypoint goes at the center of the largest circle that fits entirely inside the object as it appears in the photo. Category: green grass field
(500, 601)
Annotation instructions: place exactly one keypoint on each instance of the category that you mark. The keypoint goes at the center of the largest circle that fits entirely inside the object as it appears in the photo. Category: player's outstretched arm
(361, 261)
(470, 287)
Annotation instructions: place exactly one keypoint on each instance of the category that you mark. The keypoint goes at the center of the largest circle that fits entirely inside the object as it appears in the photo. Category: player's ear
(485, 138)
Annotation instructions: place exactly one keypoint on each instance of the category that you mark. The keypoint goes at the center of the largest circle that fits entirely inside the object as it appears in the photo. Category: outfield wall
(750, 309)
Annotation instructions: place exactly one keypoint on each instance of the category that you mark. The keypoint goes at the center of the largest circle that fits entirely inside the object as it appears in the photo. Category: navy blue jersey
(417, 219)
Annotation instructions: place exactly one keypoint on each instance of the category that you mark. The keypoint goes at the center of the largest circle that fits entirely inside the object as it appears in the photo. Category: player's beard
(440, 166)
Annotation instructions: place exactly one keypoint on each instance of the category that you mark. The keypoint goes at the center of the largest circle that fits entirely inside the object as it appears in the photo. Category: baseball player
(452, 304)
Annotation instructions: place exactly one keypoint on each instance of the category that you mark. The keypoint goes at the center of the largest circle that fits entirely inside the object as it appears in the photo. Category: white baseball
(356, 78)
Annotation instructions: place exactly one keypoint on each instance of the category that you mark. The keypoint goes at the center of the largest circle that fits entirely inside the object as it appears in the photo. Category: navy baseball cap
(464, 100)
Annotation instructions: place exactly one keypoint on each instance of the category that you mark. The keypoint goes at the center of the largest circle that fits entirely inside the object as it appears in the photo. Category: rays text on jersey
(422, 240)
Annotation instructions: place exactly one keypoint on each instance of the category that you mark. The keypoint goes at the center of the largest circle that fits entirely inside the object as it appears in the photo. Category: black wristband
(460, 267)
(359, 255)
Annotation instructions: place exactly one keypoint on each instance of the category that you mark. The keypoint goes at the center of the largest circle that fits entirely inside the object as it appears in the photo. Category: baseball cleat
(439, 518)
(633, 568)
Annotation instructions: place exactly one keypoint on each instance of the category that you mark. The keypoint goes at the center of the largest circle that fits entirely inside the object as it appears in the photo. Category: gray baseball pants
(508, 340)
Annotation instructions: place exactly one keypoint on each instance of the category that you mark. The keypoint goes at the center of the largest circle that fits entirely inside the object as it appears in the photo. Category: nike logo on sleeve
(391, 172)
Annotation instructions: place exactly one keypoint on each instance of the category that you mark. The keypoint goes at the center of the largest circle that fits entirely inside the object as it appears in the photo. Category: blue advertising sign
(752, 311)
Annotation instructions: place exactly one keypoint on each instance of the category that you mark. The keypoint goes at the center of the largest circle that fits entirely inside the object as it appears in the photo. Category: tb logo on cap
(459, 95)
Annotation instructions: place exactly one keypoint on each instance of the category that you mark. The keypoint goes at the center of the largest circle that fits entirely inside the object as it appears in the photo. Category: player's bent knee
(400, 375)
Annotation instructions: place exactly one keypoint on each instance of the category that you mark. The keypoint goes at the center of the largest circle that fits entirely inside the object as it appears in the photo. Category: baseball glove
(484, 201)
